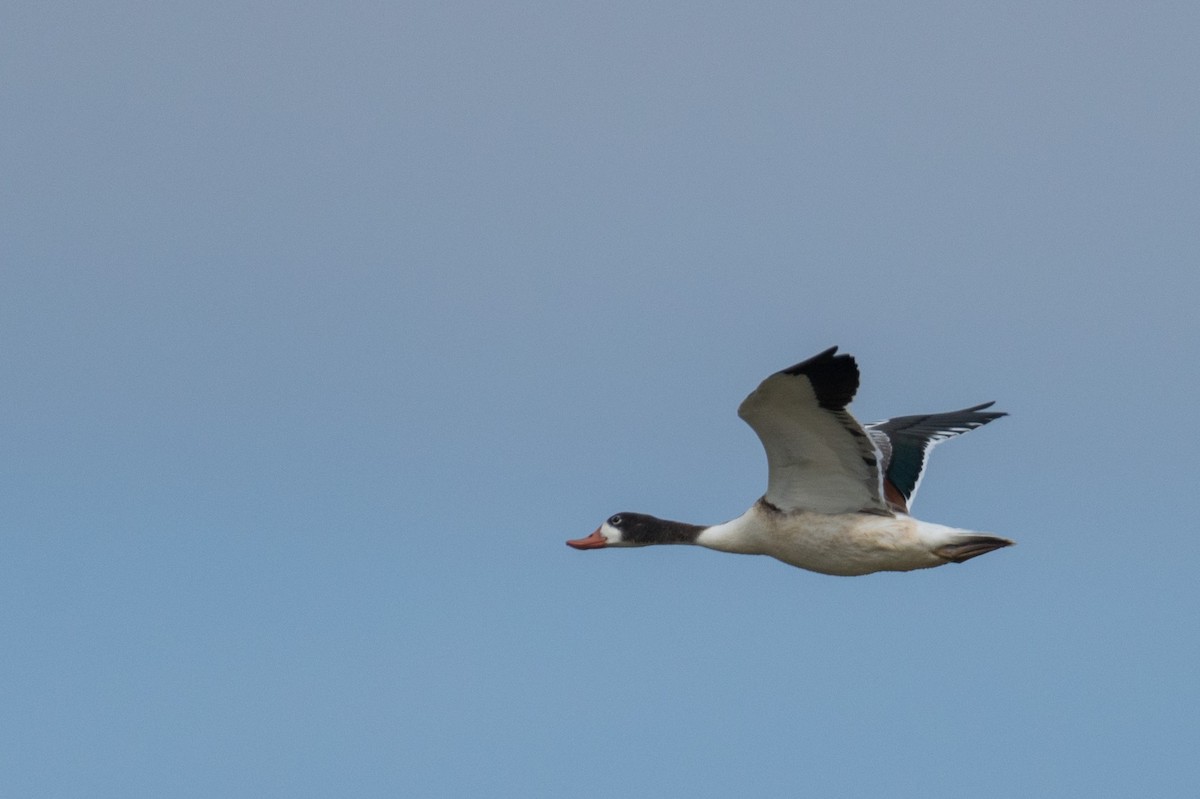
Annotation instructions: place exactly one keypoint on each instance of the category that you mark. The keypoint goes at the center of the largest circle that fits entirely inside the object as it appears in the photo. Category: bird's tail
(971, 545)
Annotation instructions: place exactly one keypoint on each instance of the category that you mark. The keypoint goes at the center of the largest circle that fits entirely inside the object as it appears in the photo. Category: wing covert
(819, 457)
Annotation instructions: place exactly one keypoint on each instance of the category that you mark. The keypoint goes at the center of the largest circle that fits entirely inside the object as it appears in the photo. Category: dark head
(637, 530)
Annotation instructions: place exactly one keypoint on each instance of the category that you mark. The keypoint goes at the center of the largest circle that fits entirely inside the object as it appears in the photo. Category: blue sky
(325, 325)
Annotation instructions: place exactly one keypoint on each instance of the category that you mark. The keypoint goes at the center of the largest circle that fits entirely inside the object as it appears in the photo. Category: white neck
(736, 535)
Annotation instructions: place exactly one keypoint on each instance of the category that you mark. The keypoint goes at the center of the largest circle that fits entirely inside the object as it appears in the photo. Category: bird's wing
(905, 443)
(819, 457)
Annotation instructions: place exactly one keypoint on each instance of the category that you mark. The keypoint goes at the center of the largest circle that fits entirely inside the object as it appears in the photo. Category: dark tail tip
(971, 546)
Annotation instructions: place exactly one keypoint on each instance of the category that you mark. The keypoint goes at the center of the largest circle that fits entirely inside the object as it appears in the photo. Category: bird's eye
(615, 521)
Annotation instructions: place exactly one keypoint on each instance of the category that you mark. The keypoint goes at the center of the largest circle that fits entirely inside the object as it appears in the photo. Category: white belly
(842, 544)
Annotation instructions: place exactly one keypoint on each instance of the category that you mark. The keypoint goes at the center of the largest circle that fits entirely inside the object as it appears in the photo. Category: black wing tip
(820, 358)
(939, 424)
(834, 378)
(983, 406)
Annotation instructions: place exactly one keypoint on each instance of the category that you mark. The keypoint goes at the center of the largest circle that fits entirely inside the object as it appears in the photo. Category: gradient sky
(324, 325)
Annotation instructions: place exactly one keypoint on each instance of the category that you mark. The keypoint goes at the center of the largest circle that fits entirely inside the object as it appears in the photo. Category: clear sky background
(323, 325)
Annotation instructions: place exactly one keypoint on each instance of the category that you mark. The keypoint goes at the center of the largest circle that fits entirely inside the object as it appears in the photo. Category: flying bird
(838, 493)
